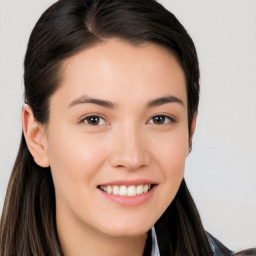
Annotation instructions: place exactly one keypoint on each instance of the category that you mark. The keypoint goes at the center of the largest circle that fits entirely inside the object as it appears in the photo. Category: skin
(126, 144)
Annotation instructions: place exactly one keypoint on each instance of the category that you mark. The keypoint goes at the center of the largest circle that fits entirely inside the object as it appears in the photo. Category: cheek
(171, 150)
(170, 157)
(74, 159)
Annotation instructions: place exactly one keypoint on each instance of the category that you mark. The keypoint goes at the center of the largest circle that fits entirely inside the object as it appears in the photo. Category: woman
(111, 93)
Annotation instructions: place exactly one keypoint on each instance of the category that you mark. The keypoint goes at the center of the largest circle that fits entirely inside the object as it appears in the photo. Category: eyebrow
(165, 100)
(100, 102)
(111, 105)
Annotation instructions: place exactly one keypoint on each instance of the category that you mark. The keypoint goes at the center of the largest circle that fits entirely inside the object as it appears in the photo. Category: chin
(128, 233)
(127, 229)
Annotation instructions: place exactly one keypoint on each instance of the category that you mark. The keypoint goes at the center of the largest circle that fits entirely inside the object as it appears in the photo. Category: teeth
(123, 191)
(103, 188)
(126, 190)
(109, 189)
(115, 190)
(131, 191)
(139, 190)
(145, 188)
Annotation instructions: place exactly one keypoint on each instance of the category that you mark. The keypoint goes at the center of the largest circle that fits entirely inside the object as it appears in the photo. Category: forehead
(115, 67)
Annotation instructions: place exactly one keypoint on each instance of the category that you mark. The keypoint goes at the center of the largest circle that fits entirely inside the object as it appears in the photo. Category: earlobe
(34, 134)
(192, 130)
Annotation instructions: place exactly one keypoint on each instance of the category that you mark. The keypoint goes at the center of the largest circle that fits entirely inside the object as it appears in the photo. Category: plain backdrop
(221, 170)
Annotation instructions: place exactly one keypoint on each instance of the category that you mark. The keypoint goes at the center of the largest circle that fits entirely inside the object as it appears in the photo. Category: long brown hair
(27, 224)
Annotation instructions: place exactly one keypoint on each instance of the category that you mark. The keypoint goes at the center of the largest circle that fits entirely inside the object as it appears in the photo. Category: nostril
(129, 151)
(131, 162)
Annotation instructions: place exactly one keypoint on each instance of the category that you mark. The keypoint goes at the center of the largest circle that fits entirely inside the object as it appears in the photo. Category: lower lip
(130, 200)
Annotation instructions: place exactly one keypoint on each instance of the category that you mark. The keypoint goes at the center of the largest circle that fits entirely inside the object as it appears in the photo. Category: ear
(192, 130)
(35, 137)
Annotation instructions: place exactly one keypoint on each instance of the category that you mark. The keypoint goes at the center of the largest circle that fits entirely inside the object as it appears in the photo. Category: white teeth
(103, 188)
(123, 191)
(131, 191)
(115, 190)
(126, 190)
(139, 189)
(109, 189)
(145, 188)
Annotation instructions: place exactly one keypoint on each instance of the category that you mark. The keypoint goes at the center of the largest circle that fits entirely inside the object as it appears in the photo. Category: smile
(122, 190)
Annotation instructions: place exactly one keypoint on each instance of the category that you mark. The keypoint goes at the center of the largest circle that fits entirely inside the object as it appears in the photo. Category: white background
(221, 171)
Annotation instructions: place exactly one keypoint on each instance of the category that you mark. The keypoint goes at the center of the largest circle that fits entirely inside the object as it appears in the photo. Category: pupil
(93, 120)
(159, 119)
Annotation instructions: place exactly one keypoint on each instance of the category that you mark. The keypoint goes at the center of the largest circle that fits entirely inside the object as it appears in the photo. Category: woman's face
(118, 123)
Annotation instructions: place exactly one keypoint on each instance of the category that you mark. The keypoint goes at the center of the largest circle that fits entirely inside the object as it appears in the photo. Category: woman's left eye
(94, 120)
(161, 119)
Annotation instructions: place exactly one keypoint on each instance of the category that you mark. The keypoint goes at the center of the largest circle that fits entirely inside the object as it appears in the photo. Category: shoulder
(219, 249)
(249, 252)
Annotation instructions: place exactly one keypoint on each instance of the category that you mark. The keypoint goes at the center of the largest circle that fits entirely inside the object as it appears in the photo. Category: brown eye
(94, 120)
(161, 119)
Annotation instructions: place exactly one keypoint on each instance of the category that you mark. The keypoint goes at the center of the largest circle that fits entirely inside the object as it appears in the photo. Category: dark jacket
(220, 250)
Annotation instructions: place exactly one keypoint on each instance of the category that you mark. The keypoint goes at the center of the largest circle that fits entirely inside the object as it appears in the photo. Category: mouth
(123, 190)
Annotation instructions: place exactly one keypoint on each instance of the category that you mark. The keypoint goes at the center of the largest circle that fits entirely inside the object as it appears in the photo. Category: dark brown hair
(27, 224)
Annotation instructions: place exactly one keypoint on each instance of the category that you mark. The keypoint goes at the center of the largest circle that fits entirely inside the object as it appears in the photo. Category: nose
(129, 149)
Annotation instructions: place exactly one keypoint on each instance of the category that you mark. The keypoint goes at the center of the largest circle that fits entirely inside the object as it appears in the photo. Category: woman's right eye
(94, 120)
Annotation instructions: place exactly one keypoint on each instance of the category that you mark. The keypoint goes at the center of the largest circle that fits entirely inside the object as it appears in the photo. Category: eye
(161, 119)
(94, 120)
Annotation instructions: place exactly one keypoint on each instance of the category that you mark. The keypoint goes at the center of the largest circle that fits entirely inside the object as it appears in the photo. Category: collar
(218, 248)
(155, 249)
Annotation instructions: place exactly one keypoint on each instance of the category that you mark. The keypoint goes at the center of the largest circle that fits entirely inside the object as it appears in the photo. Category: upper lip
(129, 182)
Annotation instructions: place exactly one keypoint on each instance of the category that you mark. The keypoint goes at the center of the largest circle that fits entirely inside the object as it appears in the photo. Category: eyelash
(167, 119)
(164, 119)
(100, 118)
